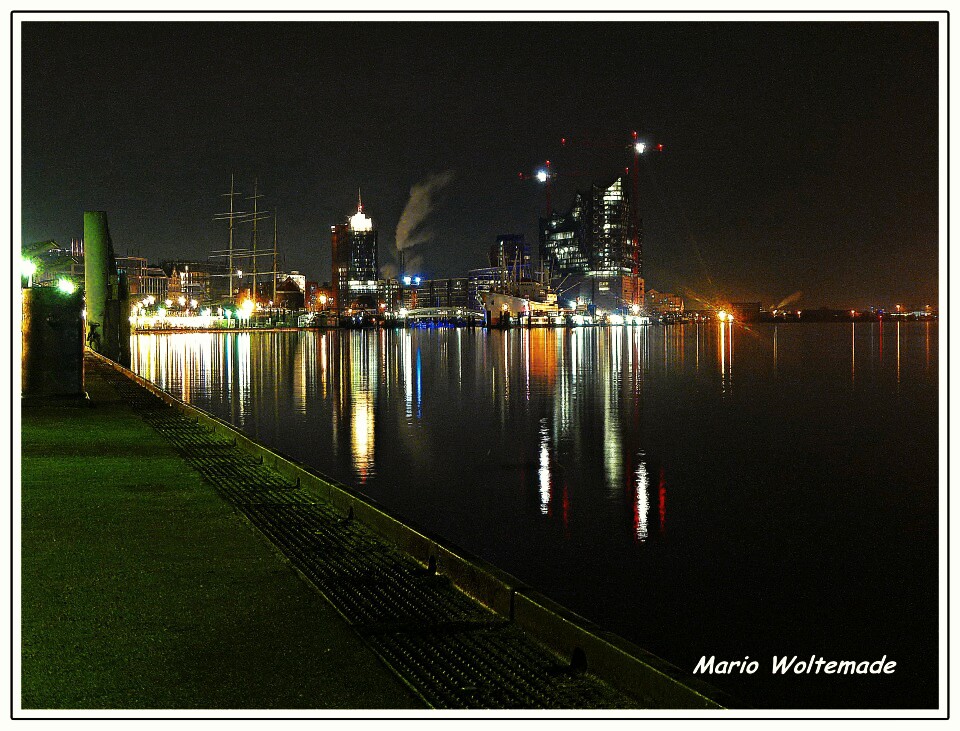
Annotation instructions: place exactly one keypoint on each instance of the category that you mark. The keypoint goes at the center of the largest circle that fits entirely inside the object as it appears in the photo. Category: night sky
(798, 157)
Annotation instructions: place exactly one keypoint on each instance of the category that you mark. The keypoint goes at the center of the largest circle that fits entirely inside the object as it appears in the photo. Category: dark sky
(798, 157)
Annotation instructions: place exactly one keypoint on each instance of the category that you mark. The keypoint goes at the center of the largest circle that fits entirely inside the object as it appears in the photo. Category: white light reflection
(641, 508)
(544, 467)
(725, 333)
(243, 374)
(723, 353)
(525, 347)
(609, 361)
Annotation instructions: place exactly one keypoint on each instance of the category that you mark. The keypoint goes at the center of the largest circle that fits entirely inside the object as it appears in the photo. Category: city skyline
(798, 157)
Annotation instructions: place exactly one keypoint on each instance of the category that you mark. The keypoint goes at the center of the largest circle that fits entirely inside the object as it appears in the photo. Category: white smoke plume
(410, 229)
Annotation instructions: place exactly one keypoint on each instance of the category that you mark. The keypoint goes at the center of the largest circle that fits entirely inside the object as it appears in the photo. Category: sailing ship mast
(235, 255)
(255, 198)
(274, 258)
(230, 216)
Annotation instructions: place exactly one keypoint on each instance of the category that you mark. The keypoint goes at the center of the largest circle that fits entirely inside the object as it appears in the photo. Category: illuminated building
(355, 264)
(203, 281)
(300, 279)
(662, 303)
(593, 250)
(289, 295)
(436, 293)
(142, 278)
(390, 294)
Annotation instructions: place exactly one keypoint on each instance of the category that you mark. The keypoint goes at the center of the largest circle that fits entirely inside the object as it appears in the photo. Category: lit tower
(355, 264)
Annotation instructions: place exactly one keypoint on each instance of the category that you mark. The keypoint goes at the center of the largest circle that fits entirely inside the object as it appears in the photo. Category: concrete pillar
(52, 332)
(102, 285)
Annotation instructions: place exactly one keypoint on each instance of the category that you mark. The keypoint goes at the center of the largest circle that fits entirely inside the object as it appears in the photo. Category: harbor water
(702, 490)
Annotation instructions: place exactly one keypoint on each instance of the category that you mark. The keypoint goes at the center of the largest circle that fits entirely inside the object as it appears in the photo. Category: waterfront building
(132, 267)
(143, 279)
(593, 251)
(192, 284)
(54, 261)
(319, 297)
(300, 279)
(153, 281)
(453, 292)
(203, 281)
(389, 295)
(289, 295)
(662, 303)
(355, 265)
(311, 294)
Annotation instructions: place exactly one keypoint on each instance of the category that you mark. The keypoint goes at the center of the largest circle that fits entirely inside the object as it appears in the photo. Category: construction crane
(543, 175)
(546, 175)
(637, 146)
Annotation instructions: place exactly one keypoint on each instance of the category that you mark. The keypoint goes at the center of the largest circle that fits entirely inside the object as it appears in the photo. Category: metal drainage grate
(454, 652)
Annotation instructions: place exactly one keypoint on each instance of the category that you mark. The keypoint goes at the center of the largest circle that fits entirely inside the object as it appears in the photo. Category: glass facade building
(594, 249)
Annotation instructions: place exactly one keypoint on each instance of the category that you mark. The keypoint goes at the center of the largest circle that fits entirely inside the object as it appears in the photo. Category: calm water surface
(701, 490)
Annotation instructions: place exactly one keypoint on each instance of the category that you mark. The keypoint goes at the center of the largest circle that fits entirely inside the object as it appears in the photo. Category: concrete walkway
(142, 588)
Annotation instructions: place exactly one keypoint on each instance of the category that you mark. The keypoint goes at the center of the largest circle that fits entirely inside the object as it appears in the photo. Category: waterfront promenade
(142, 588)
(148, 581)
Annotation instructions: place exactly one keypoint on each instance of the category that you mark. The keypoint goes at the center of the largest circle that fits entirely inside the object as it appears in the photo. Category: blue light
(406, 281)
(416, 280)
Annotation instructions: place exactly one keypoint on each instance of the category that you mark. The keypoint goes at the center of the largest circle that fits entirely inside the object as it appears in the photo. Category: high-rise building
(355, 264)
(593, 248)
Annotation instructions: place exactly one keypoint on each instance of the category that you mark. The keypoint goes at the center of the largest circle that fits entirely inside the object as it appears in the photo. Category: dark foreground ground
(145, 584)
(142, 588)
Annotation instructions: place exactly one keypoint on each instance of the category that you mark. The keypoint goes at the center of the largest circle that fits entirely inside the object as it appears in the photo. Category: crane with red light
(546, 175)
(637, 147)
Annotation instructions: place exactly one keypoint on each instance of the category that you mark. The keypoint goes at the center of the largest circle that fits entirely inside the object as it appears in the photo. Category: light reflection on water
(565, 455)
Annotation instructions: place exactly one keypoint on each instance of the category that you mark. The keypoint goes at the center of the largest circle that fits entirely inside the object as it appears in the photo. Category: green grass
(142, 589)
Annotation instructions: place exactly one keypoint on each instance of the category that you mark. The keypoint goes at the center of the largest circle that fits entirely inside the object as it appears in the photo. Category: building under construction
(593, 251)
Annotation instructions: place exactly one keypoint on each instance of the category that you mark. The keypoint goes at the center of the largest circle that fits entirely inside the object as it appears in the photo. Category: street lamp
(27, 269)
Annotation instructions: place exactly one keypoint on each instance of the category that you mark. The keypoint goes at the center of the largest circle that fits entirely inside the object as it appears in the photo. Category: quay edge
(620, 663)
